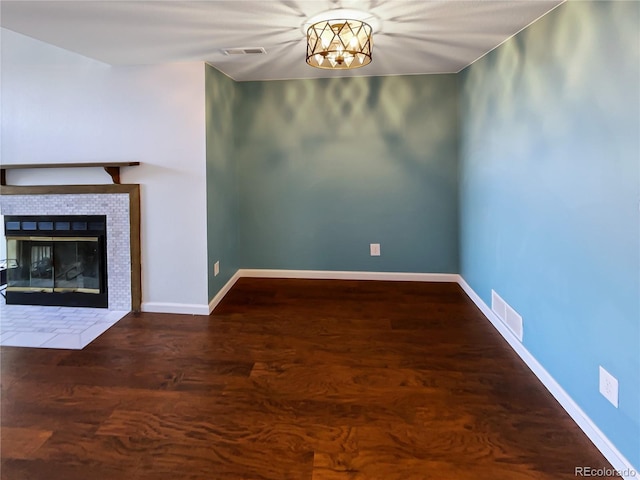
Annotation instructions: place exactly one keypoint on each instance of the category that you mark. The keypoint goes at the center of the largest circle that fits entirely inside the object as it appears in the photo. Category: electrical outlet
(374, 249)
(609, 387)
(216, 268)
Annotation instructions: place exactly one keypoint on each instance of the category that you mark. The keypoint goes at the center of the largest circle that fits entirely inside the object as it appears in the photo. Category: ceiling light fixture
(339, 44)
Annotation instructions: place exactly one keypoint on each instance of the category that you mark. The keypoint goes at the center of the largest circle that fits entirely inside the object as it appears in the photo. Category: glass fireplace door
(54, 264)
(76, 264)
(33, 270)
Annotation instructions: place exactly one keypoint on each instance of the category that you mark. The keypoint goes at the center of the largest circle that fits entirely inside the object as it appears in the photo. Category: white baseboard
(184, 308)
(223, 291)
(599, 439)
(190, 308)
(348, 275)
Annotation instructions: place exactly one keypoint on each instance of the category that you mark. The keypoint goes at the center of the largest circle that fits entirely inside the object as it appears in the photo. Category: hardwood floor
(290, 379)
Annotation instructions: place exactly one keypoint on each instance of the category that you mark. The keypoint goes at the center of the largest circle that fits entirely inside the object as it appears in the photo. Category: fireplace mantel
(112, 168)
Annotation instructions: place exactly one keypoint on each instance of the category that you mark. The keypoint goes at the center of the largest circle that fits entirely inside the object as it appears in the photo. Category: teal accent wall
(328, 166)
(550, 190)
(222, 185)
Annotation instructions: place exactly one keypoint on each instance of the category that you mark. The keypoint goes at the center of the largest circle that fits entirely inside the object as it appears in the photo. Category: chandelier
(339, 44)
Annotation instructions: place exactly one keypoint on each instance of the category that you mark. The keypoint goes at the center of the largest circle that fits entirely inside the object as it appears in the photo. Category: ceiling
(410, 36)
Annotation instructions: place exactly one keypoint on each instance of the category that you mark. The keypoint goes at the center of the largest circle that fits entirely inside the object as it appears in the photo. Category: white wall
(58, 106)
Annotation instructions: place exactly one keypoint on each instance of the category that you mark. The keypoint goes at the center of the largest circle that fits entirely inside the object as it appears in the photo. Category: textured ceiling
(411, 37)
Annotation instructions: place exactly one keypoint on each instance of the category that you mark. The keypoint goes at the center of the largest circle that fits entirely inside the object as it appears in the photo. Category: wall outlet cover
(216, 268)
(609, 386)
(375, 249)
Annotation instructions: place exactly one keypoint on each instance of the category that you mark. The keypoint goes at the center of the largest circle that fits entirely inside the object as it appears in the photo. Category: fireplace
(57, 260)
(120, 204)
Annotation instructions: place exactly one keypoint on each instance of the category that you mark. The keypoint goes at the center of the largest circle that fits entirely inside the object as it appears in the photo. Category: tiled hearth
(54, 327)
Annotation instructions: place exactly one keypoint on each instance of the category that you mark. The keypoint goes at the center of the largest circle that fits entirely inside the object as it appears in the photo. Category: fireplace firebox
(57, 260)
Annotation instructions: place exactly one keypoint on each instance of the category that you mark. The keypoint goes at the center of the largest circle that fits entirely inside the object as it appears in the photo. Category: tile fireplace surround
(67, 327)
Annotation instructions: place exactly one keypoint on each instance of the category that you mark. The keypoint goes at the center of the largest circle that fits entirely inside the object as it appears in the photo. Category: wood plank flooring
(290, 379)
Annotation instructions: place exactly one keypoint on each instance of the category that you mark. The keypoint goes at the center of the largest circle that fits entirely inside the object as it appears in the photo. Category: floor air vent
(508, 315)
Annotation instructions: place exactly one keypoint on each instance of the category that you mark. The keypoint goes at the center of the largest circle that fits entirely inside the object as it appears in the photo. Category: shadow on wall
(561, 84)
(350, 108)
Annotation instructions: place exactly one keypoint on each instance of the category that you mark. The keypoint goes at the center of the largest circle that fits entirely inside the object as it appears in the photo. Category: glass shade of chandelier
(339, 44)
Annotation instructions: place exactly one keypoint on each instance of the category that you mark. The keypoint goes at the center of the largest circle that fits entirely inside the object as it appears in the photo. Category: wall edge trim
(350, 275)
(179, 308)
(223, 291)
(597, 437)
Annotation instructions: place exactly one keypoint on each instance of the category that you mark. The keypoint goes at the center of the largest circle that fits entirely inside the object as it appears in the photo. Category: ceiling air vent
(244, 51)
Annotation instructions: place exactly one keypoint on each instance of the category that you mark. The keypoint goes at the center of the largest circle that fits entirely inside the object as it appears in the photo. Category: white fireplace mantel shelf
(112, 168)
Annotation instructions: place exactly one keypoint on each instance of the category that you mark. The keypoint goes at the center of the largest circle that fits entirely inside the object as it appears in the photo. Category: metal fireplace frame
(56, 229)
